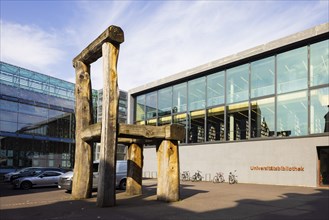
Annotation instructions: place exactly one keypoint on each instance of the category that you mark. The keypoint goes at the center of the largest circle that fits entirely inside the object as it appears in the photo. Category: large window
(319, 110)
(165, 101)
(140, 109)
(319, 59)
(262, 118)
(292, 114)
(237, 87)
(262, 77)
(180, 119)
(151, 105)
(179, 98)
(237, 122)
(282, 95)
(196, 129)
(216, 89)
(215, 124)
(196, 94)
(292, 70)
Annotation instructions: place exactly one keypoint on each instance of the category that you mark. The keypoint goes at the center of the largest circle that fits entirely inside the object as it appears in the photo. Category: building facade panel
(291, 162)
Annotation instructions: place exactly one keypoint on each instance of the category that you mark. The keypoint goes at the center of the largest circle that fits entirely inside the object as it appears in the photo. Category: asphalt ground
(199, 200)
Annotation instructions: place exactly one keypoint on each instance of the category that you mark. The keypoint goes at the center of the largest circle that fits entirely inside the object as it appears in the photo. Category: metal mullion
(225, 105)
(308, 90)
(249, 103)
(275, 96)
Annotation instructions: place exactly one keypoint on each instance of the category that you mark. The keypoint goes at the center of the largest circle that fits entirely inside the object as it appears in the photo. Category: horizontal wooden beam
(93, 51)
(135, 133)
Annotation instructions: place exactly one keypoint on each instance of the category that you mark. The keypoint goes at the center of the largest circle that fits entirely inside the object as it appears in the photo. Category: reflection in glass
(319, 63)
(237, 122)
(215, 124)
(8, 105)
(164, 101)
(196, 94)
(319, 111)
(292, 70)
(180, 119)
(152, 122)
(292, 114)
(262, 77)
(196, 129)
(8, 126)
(164, 120)
(140, 108)
(262, 118)
(215, 89)
(237, 85)
(179, 98)
(151, 105)
(8, 116)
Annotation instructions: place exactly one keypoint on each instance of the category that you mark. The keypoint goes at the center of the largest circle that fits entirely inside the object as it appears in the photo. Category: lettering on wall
(276, 168)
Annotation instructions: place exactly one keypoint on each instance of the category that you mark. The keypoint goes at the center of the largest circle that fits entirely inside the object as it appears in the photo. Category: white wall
(240, 156)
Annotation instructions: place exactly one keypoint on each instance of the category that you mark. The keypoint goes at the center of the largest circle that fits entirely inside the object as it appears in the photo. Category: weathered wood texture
(93, 51)
(168, 132)
(82, 179)
(134, 174)
(168, 171)
(107, 165)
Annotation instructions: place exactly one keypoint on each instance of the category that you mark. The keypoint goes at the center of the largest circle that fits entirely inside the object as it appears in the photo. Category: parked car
(44, 178)
(29, 171)
(65, 180)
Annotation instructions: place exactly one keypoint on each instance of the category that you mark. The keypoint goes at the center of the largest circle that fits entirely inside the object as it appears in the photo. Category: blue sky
(161, 37)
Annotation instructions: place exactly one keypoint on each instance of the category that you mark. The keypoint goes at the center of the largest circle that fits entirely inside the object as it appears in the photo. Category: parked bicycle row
(218, 178)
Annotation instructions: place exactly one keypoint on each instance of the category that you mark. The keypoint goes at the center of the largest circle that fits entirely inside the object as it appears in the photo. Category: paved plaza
(199, 200)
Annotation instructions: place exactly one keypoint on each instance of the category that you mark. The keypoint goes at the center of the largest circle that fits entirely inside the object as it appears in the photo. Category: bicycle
(186, 176)
(219, 178)
(232, 178)
(197, 176)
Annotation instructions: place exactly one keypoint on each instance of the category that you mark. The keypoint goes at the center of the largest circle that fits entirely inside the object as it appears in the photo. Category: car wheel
(123, 184)
(26, 185)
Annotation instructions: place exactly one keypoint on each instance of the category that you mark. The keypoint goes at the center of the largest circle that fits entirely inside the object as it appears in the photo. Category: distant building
(262, 112)
(36, 119)
(121, 150)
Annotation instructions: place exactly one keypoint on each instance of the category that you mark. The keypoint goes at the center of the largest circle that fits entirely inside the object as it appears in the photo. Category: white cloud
(29, 46)
(161, 37)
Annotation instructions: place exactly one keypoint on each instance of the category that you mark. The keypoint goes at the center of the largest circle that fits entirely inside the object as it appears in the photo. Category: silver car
(46, 178)
(65, 181)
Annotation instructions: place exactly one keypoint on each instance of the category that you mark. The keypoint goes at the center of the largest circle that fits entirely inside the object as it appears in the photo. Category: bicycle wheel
(216, 179)
(193, 178)
(221, 179)
(230, 180)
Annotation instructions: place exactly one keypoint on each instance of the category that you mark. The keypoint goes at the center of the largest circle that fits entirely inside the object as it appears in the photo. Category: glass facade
(284, 94)
(36, 119)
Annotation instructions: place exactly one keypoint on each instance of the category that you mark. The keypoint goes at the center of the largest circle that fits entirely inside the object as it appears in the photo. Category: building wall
(300, 153)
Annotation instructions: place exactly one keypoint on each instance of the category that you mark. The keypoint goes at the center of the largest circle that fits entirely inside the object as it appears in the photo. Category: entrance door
(323, 158)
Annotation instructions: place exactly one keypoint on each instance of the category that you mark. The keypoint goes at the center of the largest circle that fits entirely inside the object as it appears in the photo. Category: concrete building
(262, 112)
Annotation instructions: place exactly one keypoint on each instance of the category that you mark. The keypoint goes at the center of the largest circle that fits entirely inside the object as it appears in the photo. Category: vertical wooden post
(135, 165)
(107, 165)
(82, 179)
(168, 171)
